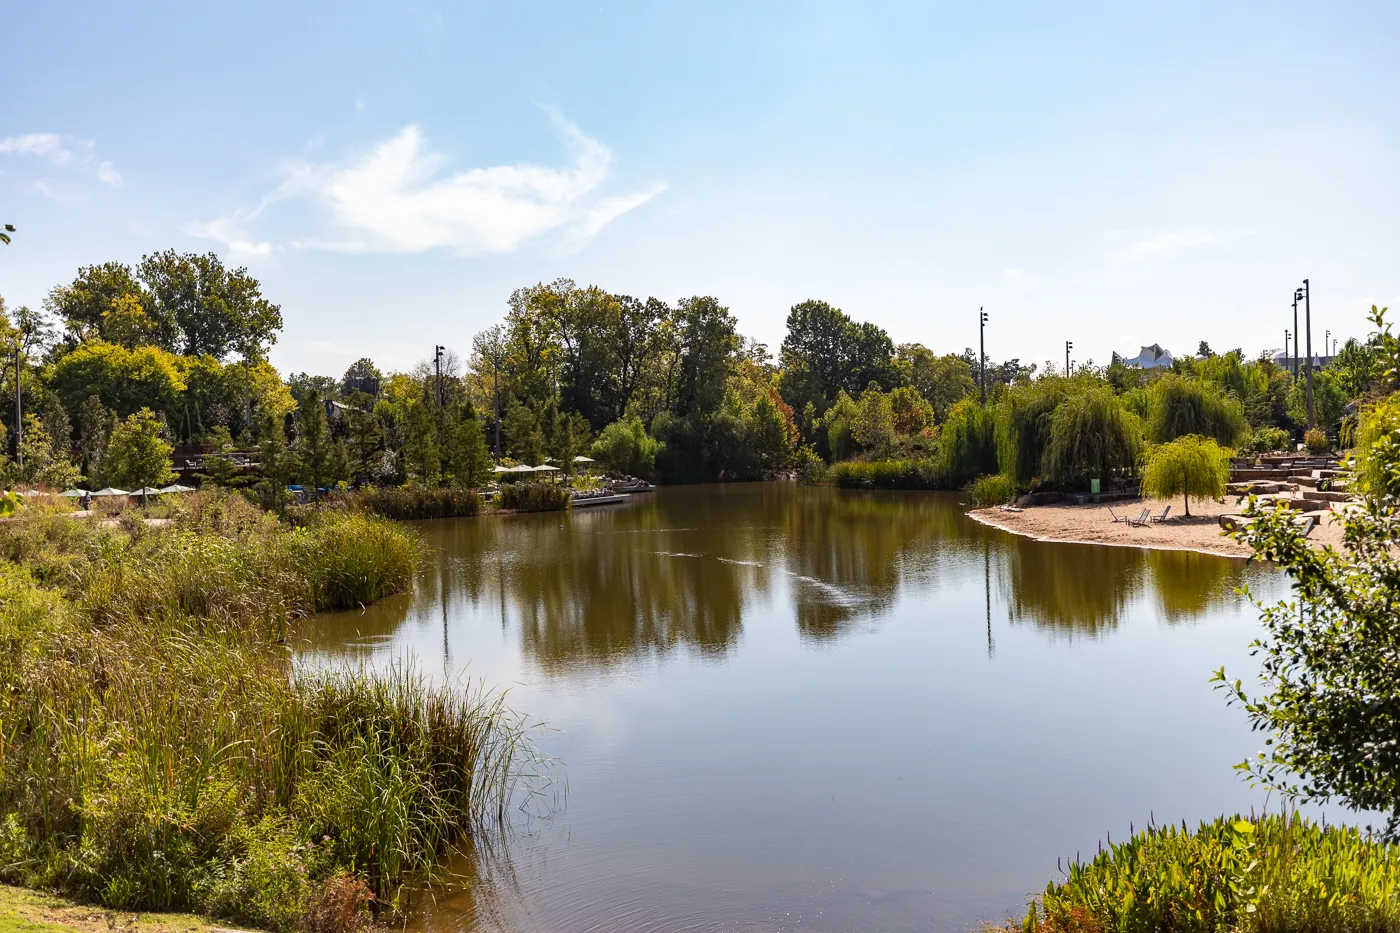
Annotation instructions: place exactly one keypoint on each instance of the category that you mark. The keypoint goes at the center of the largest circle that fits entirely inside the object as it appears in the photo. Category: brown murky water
(785, 708)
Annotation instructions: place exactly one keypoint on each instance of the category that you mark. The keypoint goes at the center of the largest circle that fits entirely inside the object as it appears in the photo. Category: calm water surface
(785, 708)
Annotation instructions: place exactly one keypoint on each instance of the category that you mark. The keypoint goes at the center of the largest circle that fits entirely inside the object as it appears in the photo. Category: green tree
(1190, 466)
(315, 453)
(138, 455)
(826, 352)
(1329, 399)
(468, 461)
(625, 446)
(41, 462)
(108, 302)
(1182, 405)
(363, 436)
(523, 434)
(912, 414)
(942, 381)
(968, 442)
(1092, 435)
(95, 423)
(873, 425)
(1329, 698)
(1357, 367)
(123, 380)
(214, 310)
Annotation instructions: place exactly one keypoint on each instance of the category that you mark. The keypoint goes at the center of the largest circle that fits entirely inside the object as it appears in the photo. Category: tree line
(670, 391)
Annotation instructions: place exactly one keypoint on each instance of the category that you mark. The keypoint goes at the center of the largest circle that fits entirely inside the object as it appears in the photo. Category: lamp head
(1297, 294)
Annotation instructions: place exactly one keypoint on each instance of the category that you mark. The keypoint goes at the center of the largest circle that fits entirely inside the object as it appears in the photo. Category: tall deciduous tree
(138, 455)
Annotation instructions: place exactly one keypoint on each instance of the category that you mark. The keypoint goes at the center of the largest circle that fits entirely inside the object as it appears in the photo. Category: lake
(790, 708)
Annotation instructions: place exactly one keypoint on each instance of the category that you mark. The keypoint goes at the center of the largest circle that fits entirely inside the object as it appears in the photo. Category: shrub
(1267, 440)
(405, 503)
(992, 490)
(1190, 466)
(810, 468)
(535, 497)
(889, 474)
(1271, 873)
(1316, 441)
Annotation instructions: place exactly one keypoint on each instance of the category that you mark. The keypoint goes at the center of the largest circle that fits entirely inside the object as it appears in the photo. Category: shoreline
(1092, 524)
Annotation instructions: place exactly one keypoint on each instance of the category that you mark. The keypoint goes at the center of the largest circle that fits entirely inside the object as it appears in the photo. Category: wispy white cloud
(399, 198)
(63, 152)
(108, 174)
(1171, 241)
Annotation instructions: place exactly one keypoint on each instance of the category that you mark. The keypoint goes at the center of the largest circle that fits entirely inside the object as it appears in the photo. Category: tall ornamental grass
(405, 503)
(159, 751)
(888, 474)
(1258, 875)
(535, 497)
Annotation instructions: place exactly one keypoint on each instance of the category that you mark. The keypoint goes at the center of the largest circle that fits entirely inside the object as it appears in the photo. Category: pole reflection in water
(767, 715)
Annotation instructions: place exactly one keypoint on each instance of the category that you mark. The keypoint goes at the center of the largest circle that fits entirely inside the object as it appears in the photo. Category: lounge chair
(1141, 521)
(1116, 517)
(1307, 523)
(1163, 517)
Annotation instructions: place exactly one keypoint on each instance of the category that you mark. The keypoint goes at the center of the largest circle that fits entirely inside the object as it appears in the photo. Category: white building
(1153, 357)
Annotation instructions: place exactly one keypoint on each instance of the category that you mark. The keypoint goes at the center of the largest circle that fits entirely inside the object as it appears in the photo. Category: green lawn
(24, 911)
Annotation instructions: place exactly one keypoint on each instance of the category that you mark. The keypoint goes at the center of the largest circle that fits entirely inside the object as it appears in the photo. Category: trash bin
(1094, 485)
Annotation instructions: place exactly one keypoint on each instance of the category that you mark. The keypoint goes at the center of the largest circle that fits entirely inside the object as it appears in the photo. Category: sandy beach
(1092, 524)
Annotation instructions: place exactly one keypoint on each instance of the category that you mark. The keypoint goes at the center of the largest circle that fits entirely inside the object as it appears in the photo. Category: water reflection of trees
(1086, 589)
(863, 547)
(680, 571)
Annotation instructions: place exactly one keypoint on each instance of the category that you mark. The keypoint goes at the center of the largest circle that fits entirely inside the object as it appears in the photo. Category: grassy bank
(158, 751)
(1257, 875)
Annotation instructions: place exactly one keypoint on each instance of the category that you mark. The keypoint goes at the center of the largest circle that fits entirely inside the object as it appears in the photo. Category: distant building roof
(1148, 357)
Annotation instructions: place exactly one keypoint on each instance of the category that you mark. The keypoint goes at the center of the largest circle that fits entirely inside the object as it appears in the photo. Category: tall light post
(1326, 342)
(1286, 336)
(19, 419)
(1069, 345)
(1307, 320)
(437, 371)
(1297, 297)
(982, 351)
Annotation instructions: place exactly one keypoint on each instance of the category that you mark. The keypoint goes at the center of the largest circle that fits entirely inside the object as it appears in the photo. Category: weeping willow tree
(1374, 423)
(1190, 466)
(967, 443)
(1179, 406)
(1091, 435)
(1023, 420)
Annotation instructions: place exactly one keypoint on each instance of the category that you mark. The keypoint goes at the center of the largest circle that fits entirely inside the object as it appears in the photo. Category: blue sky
(1111, 174)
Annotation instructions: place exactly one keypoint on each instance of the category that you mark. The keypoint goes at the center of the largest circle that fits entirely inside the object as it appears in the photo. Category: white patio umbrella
(147, 491)
(73, 493)
(500, 469)
(521, 468)
(584, 460)
(176, 487)
(31, 494)
(110, 491)
(546, 468)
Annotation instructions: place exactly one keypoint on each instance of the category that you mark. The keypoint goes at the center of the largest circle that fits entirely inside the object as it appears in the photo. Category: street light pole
(982, 350)
(1297, 297)
(19, 420)
(437, 370)
(1069, 345)
(1286, 336)
(1307, 317)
